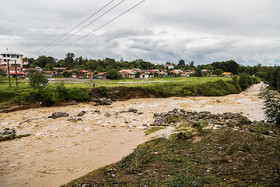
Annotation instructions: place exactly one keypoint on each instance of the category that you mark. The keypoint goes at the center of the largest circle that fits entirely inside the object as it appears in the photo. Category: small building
(227, 74)
(101, 75)
(146, 75)
(48, 73)
(38, 68)
(91, 75)
(128, 74)
(185, 74)
(169, 66)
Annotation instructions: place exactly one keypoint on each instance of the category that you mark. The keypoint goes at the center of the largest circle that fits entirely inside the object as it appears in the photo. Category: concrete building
(15, 60)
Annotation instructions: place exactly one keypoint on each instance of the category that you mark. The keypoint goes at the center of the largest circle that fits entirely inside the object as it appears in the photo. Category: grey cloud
(158, 31)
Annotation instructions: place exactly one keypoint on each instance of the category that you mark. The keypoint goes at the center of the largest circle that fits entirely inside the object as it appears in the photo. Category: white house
(13, 59)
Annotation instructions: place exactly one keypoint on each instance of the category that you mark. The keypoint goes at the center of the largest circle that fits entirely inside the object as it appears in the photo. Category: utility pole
(8, 60)
(16, 72)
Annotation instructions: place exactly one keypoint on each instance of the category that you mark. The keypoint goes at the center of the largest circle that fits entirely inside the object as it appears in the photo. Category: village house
(91, 75)
(127, 74)
(146, 75)
(101, 75)
(48, 73)
(185, 74)
(38, 69)
(227, 74)
(15, 62)
(169, 66)
(176, 71)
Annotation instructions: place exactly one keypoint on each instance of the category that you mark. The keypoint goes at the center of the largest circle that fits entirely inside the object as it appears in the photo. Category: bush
(67, 74)
(62, 91)
(49, 96)
(271, 105)
(38, 80)
(113, 74)
(77, 94)
(244, 81)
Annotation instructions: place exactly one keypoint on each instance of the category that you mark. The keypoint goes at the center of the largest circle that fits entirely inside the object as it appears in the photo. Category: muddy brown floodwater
(60, 151)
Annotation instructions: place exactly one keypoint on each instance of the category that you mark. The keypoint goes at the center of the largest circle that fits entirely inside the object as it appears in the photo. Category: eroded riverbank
(61, 150)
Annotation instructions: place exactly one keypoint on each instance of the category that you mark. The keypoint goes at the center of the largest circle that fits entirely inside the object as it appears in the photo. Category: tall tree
(69, 60)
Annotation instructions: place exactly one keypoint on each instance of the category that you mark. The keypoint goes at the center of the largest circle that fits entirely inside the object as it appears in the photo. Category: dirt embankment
(63, 149)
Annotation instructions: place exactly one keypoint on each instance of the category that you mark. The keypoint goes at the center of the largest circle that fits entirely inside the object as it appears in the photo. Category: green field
(23, 84)
(81, 90)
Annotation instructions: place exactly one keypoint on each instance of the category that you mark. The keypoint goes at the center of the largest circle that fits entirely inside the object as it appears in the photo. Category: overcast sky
(158, 31)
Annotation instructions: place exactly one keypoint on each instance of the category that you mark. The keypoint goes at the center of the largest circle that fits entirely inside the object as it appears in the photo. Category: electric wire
(102, 15)
(69, 44)
(75, 26)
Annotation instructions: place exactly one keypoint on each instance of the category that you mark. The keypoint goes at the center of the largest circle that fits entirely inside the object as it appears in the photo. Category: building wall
(13, 58)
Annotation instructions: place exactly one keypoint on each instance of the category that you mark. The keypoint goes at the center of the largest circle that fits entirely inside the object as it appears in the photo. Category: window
(8, 55)
(4, 55)
(17, 56)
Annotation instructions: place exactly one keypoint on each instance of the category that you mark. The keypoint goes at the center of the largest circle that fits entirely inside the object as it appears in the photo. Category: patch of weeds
(260, 130)
(152, 130)
(186, 180)
(12, 137)
(171, 118)
(199, 126)
(181, 135)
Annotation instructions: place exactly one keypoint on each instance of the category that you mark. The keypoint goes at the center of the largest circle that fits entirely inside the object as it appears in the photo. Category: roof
(83, 71)
(101, 74)
(59, 68)
(226, 73)
(11, 54)
(19, 73)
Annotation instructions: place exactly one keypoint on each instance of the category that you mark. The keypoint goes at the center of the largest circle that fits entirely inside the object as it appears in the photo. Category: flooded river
(60, 150)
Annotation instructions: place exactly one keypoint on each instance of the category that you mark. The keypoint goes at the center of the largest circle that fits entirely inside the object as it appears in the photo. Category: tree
(244, 81)
(113, 74)
(181, 63)
(198, 72)
(38, 81)
(69, 60)
(218, 71)
(271, 105)
(191, 65)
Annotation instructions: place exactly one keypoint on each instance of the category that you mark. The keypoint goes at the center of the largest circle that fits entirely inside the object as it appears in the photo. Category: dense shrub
(38, 80)
(77, 94)
(271, 105)
(62, 92)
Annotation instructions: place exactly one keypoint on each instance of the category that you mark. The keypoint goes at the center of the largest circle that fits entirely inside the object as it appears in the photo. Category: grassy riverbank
(224, 157)
(80, 92)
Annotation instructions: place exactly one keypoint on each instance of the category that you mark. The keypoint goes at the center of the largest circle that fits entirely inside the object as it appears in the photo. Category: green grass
(164, 87)
(220, 158)
(152, 130)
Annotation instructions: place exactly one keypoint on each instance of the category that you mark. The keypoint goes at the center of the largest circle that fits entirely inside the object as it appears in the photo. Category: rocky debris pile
(132, 110)
(7, 131)
(58, 115)
(74, 119)
(103, 101)
(180, 116)
(81, 113)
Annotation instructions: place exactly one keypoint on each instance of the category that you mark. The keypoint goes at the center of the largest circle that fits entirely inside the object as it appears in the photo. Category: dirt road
(60, 150)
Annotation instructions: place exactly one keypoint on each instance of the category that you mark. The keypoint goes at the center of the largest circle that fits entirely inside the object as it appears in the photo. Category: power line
(106, 23)
(75, 26)
(88, 24)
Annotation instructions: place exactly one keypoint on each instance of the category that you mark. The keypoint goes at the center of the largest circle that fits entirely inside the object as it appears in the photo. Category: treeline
(101, 65)
(104, 65)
